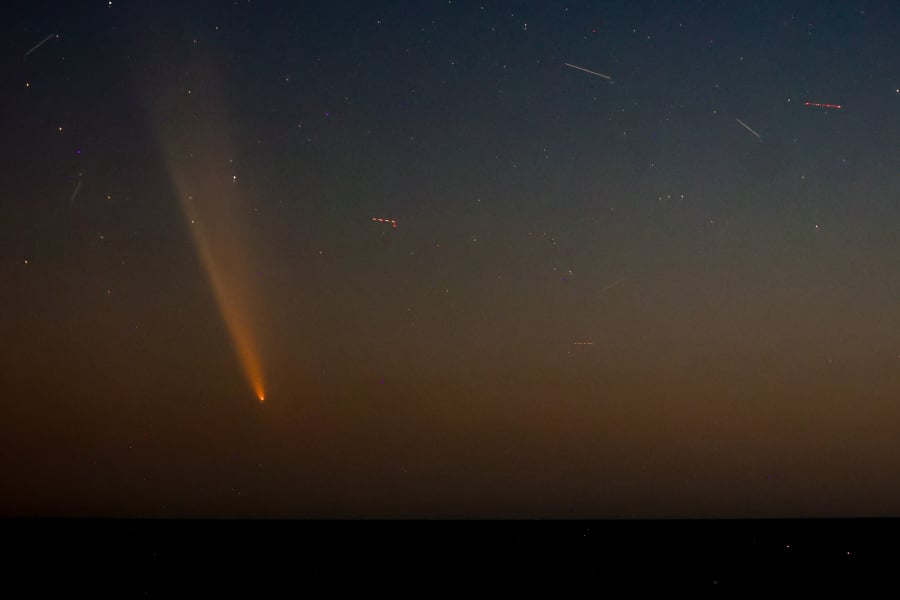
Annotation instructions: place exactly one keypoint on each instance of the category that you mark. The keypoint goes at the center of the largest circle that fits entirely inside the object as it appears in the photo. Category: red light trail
(391, 221)
(821, 105)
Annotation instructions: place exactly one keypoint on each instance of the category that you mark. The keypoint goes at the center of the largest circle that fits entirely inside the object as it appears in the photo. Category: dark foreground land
(164, 558)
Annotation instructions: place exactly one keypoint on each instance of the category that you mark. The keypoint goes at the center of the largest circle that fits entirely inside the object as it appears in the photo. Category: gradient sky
(602, 298)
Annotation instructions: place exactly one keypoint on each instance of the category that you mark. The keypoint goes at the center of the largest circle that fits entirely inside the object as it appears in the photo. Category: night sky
(667, 288)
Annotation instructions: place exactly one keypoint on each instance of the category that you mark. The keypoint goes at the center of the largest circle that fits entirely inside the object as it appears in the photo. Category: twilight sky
(668, 288)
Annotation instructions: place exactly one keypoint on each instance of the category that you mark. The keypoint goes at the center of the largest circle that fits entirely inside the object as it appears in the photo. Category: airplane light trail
(393, 222)
(817, 104)
(748, 128)
(40, 43)
(589, 71)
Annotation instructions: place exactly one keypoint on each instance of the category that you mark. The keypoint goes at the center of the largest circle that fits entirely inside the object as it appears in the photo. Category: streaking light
(393, 222)
(822, 105)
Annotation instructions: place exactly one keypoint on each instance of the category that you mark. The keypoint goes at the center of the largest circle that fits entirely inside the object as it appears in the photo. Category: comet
(589, 71)
(750, 129)
(197, 153)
